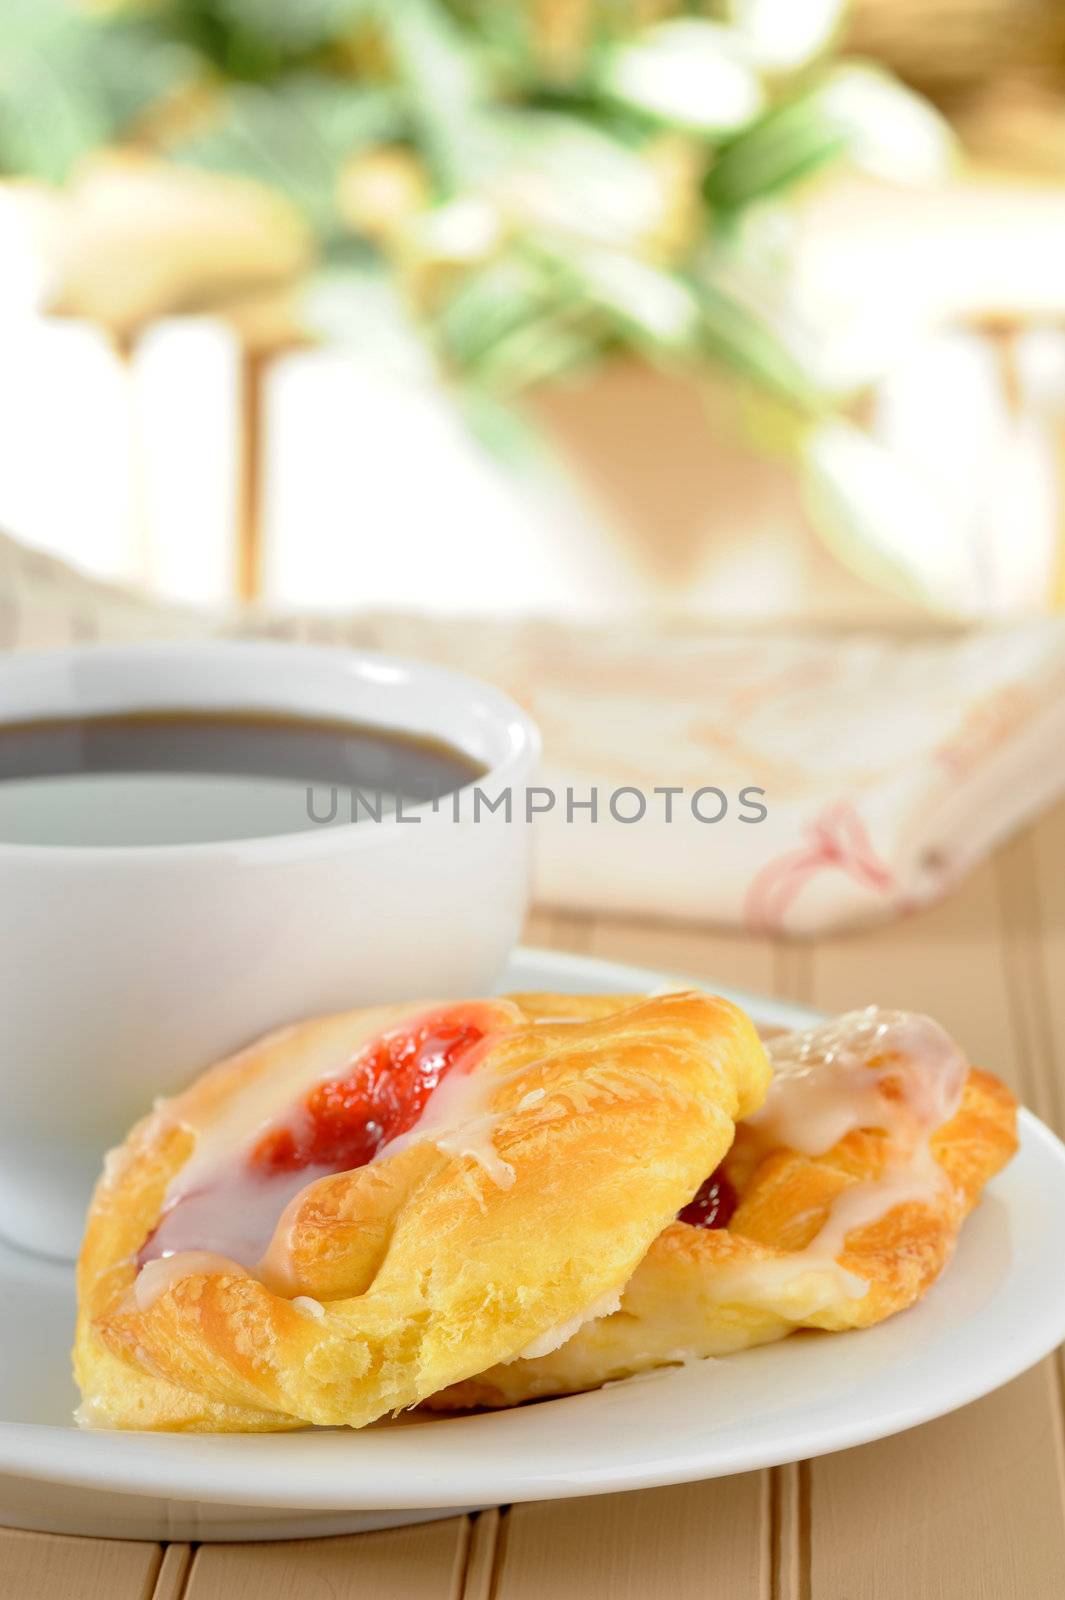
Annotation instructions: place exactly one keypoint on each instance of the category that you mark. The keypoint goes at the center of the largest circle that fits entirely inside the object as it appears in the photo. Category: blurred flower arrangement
(545, 182)
(546, 179)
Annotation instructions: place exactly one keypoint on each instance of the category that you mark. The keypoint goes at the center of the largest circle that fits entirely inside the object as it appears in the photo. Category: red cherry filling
(341, 1124)
(344, 1122)
(712, 1204)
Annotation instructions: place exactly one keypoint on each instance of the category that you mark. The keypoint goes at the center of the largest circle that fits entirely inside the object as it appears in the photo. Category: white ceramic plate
(997, 1310)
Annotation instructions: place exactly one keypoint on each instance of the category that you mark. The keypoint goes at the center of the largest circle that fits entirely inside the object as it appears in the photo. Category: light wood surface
(968, 1508)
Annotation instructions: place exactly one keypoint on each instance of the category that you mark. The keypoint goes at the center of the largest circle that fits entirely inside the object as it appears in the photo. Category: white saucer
(999, 1308)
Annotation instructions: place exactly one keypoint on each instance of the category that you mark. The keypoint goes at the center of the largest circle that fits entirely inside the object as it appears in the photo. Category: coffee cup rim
(518, 749)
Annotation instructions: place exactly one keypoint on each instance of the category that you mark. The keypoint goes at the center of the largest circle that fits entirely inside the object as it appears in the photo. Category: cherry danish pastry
(838, 1204)
(362, 1210)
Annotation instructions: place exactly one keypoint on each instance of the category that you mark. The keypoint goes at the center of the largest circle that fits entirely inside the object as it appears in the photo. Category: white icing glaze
(889, 1070)
(458, 1121)
(892, 1070)
(220, 1204)
(456, 1118)
(272, 1096)
(919, 1178)
(156, 1276)
(233, 1215)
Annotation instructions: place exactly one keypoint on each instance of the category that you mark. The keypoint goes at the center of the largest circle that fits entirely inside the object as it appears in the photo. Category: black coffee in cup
(191, 776)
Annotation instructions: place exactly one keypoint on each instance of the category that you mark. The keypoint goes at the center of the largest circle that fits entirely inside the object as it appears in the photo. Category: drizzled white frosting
(219, 1206)
(457, 1120)
(893, 1071)
(889, 1070)
(223, 1133)
(157, 1275)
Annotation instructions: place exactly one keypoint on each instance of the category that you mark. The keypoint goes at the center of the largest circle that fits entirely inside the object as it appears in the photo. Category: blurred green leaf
(70, 83)
(296, 135)
(289, 25)
(503, 431)
(775, 152)
(538, 350)
(445, 85)
(531, 315)
(256, 41)
(736, 337)
(514, 323)
(687, 73)
(857, 112)
(487, 306)
(656, 311)
(507, 29)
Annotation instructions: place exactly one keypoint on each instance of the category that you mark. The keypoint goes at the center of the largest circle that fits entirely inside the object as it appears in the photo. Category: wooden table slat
(173, 1572)
(685, 1543)
(789, 1532)
(688, 951)
(969, 1506)
(483, 1555)
(426, 1562)
(45, 1566)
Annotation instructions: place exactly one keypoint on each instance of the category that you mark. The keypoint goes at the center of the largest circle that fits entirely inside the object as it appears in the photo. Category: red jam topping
(344, 1122)
(712, 1204)
(340, 1124)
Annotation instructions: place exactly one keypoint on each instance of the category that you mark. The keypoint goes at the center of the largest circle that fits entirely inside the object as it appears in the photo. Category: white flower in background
(568, 176)
(782, 34)
(690, 73)
(891, 132)
(655, 303)
(468, 228)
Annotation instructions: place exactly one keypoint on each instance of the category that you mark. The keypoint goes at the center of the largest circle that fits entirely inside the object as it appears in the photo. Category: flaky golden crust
(426, 1268)
(709, 1292)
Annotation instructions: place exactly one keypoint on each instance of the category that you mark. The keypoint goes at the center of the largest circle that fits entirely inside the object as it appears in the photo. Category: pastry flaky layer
(898, 1137)
(527, 1193)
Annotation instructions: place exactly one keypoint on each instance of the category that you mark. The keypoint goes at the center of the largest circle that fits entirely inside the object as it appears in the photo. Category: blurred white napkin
(888, 763)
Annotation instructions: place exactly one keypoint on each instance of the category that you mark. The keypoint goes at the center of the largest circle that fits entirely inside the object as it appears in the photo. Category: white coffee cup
(125, 969)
